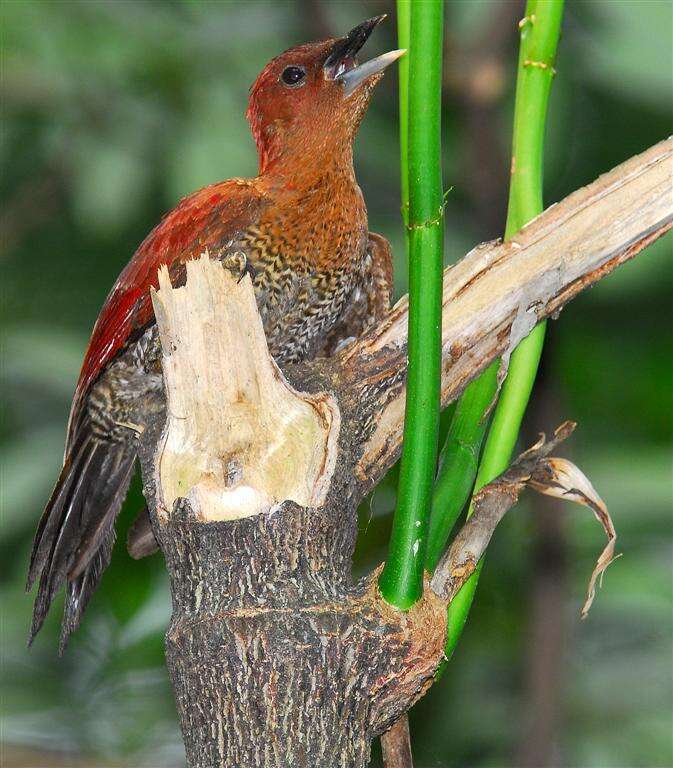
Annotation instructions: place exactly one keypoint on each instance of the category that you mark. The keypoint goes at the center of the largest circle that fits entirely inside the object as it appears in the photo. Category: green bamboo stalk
(401, 580)
(458, 467)
(540, 30)
(458, 462)
(403, 42)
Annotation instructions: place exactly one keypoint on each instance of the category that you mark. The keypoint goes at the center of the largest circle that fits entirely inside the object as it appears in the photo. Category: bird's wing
(209, 218)
(370, 300)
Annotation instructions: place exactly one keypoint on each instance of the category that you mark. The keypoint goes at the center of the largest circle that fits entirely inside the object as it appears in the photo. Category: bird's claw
(239, 265)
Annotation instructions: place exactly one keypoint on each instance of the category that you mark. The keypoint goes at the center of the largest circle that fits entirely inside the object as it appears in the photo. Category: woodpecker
(319, 277)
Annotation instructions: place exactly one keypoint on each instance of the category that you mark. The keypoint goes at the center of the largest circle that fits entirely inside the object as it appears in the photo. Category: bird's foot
(239, 265)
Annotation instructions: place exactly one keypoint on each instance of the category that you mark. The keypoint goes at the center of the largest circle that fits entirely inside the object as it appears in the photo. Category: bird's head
(308, 102)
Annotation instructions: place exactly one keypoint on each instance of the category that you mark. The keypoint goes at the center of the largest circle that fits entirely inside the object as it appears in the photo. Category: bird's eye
(293, 76)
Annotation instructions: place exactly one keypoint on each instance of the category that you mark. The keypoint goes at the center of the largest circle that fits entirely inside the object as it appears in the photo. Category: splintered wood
(239, 440)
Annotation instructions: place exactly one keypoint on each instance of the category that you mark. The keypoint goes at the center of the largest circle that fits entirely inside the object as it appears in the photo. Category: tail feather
(115, 475)
(74, 539)
(80, 589)
(51, 520)
(58, 520)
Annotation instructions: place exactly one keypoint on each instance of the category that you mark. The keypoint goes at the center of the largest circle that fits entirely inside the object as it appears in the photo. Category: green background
(111, 112)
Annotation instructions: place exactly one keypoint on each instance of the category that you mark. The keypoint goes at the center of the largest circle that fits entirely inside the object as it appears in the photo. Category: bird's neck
(320, 202)
(324, 185)
(300, 165)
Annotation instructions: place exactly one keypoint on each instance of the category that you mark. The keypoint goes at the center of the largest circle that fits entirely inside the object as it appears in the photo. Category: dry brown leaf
(534, 468)
(562, 479)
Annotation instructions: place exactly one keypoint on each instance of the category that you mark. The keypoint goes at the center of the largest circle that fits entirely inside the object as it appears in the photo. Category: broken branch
(239, 440)
(566, 249)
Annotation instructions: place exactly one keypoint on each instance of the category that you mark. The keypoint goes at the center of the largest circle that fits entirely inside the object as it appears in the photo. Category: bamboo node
(540, 65)
(429, 222)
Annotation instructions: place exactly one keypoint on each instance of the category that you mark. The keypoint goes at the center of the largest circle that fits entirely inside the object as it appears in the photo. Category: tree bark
(253, 477)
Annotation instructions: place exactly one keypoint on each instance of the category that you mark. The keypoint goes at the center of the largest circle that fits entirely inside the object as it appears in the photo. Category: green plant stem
(458, 462)
(403, 41)
(539, 41)
(401, 580)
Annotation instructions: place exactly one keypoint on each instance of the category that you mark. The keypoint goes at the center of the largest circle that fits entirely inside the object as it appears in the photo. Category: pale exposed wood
(238, 439)
(496, 294)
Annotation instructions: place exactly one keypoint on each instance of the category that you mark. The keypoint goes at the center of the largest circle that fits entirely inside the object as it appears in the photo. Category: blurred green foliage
(114, 110)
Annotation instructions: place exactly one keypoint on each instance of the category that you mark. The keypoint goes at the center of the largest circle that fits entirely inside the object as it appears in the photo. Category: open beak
(341, 64)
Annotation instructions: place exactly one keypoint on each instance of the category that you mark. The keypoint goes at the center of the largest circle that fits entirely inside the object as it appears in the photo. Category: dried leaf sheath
(562, 479)
(548, 475)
